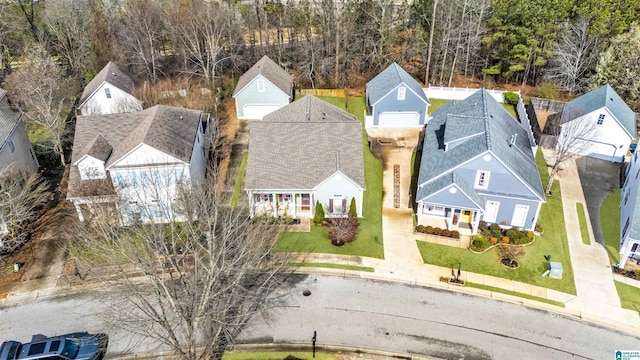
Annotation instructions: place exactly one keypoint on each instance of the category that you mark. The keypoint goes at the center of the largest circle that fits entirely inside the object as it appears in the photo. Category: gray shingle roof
(169, 129)
(115, 75)
(271, 71)
(98, 148)
(596, 99)
(287, 151)
(480, 110)
(449, 179)
(390, 78)
(8, 118)
(460, 127)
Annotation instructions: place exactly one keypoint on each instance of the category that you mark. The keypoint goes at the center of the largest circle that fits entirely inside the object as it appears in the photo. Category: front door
(466, 216)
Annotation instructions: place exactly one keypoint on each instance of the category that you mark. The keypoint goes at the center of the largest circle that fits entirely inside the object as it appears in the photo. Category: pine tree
(353, 210)
(318, 218)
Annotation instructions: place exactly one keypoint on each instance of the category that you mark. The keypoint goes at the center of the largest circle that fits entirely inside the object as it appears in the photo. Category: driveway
(598, 179)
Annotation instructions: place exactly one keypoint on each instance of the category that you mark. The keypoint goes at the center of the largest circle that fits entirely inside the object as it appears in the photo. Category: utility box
(555, 270)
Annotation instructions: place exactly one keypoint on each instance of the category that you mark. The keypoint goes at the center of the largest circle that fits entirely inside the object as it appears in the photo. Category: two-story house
(109, 92)
(138, 162)
(395, 100)
(16, 152)
(477, 165)
(630, 212)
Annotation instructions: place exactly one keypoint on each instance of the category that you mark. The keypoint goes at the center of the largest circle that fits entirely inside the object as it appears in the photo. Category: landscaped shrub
(454, 234)
(494, 240)
(511, 98)
(342, 230)
(444, 232)
(505, 239)
(436, 230)
(495, 231)
(421, 229)
(538, 228)
(318, 218)
(479, 243)
(429, 230)
(482, 225)
(353, 210)
(531, 235)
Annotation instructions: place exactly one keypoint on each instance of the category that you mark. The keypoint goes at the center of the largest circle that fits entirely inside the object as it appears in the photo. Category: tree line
(573, 44)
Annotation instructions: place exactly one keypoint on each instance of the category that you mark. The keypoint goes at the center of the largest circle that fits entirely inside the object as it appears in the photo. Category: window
(626, 197)
(260, 85)
(519, 215)
(432, 209)
(402, 92)
(107, 92)
(626, 227)
(482, 179)
(491, 211)
(12, 147)
(600, 119)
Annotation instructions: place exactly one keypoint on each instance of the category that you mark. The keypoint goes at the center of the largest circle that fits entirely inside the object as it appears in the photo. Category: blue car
(76, 346)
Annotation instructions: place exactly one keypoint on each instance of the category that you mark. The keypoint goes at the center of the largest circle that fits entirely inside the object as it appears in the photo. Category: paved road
(368, 314)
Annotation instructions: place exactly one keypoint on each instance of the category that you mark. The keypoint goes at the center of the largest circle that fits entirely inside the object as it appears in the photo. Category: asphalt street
(361, 313)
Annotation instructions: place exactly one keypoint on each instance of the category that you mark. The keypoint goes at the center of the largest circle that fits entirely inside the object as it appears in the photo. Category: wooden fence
(340, 93)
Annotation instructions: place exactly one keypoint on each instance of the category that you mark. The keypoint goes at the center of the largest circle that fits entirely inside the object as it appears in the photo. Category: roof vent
(180, 117)
(308, 116)
(611, 99)
(113, 73)
(513, 139)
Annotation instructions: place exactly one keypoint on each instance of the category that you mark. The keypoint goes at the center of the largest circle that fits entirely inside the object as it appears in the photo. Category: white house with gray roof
(395, 100)
(137, 161)
(477, 165)
(612, 124)
(109, 92)
(264, 88)
(630, 212)
(16, 152)
(308, 151)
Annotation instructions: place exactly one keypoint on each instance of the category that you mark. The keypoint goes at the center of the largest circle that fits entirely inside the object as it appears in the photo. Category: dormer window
(260, 85)
(600, 119)
(107, 93)
(91, 168)
(482, 179)
(402, 91)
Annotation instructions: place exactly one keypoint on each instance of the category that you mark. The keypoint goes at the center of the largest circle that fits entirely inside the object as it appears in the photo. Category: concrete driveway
(598, 179)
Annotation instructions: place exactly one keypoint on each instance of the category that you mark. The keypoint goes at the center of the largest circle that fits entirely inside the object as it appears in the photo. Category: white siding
(120, 101)
(338, 184)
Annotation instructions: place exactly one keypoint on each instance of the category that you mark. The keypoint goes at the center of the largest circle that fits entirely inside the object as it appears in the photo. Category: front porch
(462, 220)
(464, 228)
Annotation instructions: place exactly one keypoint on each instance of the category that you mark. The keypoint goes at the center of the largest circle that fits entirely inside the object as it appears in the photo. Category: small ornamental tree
(318, 218)
(511, 98)
(353, 210)
(342, 230)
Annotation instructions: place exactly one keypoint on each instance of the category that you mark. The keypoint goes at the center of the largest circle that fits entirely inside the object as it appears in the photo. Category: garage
(399, 120)
(257, 111)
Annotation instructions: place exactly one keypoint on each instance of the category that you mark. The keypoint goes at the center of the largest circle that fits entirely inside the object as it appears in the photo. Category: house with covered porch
(307, 152)
(477, 165)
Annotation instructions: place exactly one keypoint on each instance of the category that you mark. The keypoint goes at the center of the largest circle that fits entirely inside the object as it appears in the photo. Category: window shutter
(330, 205)
(344, 206)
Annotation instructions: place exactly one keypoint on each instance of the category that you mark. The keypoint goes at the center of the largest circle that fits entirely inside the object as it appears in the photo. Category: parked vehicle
(75, 346)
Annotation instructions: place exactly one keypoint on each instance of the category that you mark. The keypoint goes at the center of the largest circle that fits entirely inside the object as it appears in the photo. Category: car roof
(5, 350)
(43, 347)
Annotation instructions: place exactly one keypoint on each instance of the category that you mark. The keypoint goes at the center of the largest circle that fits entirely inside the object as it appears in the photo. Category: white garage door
(399, 119)
(258, 111)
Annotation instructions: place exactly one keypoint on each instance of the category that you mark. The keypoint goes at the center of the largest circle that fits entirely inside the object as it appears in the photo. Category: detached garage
(258, 111)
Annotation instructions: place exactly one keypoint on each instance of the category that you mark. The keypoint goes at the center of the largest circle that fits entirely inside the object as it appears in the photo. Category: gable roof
(115, 75)
(169, 129)
(8, 117)
(292, 150)
(478, 112)
(596, 99)
(271, 71)
(388, 80)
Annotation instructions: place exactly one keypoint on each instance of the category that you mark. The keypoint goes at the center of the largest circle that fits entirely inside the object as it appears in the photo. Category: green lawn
(514, 293)
(584, 230)
(532, 264)
(629, 296)
(276, 356)
(610, 225)
(369, 240)
(237, 190)
(331, 266)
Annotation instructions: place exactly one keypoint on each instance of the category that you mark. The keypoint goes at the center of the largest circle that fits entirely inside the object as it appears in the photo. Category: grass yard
(610, 225)
(369, 240)
(532, 264)
(276, 356)
(629, 296)
(237, 190)
(514, 293)
(331, 266)
(584, 230)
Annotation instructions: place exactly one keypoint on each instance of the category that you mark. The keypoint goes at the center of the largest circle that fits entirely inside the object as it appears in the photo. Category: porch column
(293, 199)
(474, 223)
(251, 212)
(453, 211)
(275, 205)
(79, 211)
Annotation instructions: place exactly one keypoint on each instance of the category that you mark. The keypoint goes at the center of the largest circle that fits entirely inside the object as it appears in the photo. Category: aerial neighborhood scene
(366, 179)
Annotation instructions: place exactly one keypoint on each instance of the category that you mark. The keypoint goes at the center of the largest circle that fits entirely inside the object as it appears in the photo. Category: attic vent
(513, 139)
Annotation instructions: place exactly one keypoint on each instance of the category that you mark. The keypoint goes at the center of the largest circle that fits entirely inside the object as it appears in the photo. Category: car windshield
(71, 347)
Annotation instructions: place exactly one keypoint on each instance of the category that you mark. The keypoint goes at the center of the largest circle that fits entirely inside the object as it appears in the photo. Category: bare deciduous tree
(342, 230)
(575, 53)
(190, 286)
(21, 202)
(511, 253)
(573, 139)
(40, 89)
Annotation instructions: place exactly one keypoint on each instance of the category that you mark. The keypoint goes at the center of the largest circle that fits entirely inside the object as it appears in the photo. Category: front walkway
(592, 272)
